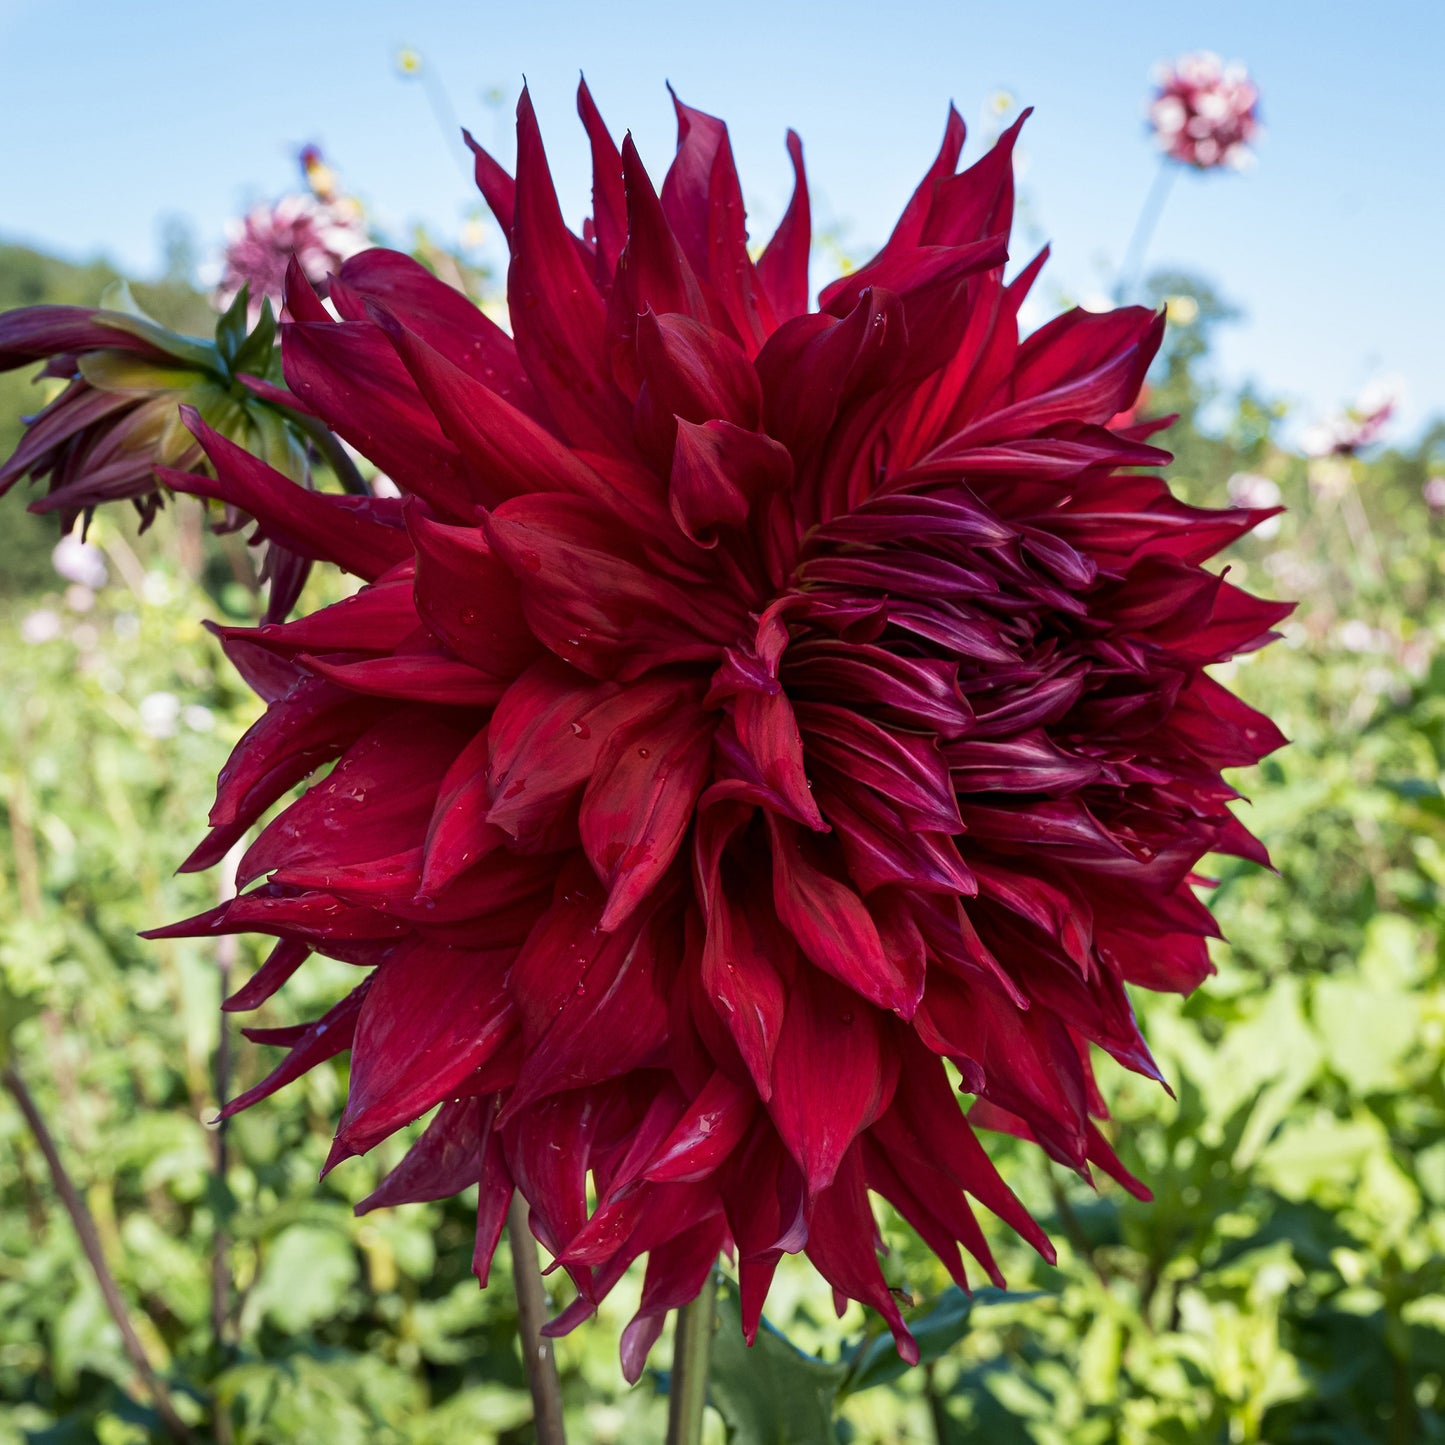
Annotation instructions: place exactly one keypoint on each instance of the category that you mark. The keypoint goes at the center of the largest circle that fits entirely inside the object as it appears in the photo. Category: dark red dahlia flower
(1205, 113)
(748, 713)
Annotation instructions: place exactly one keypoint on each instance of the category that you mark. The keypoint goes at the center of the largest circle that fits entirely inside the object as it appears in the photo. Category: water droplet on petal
(644, 752)
(581, 730)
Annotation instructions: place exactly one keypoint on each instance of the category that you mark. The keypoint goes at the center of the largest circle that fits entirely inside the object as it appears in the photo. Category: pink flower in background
(1358, 427)
(1205, 113)
(321, 234)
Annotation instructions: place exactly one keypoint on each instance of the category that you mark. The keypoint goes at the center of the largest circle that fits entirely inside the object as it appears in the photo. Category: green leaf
(253, 355)
(231, 328)
(875, 1361)
(307, 1273)
(771, 1394)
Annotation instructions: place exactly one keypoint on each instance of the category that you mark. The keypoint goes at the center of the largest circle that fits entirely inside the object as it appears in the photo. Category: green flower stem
(336, 455)
(80, 1217)
(691, 1351)
(537, 1358)
(227, 952)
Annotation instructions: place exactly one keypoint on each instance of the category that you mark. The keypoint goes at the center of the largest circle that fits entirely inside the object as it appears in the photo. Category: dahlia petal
(609, 198)
(812, 365)
(314, 916)
(441, 317)
(378, 618)
(840, 1245)
(926, 1128)
(594, 1004)
(79, 407)
(639, 802)
(903, 768)
(469, 598)
(545, 736)
(380, 790)
(444, 1161)
(322, 1040)
(587, 598)
(505, 451)
(979, 202)
(717, 470)
(431, 1017)
(558, 317)
(908, 232)
(936, 1208)
(1061, 912)
(33, 333)
(494, 1195)
(1101, 1152)
(547, 1151)
(284, 959)
(421, 676)
(687, 188)
(703, 201)
(832, 1076)
(348, 373)
(1027, 1062)
(458, 832)
(498, 188)
(766, 729)
(915, 693)
(741, 953)
(711, 1129)
(654, 273)
(677, 1270)
(311, 724)
(833, 927)
(783, 265)
(693, 373)
(305, 522)
(879, 849)
(1031, 762)
(1094, 396)
(301, 301)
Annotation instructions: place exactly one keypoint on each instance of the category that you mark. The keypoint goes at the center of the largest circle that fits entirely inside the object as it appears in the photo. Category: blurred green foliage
(1286, 1285)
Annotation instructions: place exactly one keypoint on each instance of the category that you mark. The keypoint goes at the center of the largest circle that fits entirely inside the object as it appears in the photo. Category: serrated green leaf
(771, 1394)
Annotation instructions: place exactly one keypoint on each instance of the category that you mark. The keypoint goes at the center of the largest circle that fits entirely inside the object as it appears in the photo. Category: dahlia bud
(1205, 113)
(119, 417)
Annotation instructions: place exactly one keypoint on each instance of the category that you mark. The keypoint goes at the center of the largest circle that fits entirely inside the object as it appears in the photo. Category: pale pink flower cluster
(1205, 113)
(321, 234)
(1362, 425)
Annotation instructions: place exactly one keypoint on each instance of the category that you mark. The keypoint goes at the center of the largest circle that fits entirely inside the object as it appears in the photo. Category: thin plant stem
(337, 457)
(937, 1415)
(227, 951)
(1144, 227)
(1074, 1231)
(85, 1229)
(691, 1353)
(537, 1358)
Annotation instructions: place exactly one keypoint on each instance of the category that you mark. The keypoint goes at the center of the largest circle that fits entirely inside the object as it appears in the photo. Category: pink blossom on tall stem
(320, 234)
(1205, 113)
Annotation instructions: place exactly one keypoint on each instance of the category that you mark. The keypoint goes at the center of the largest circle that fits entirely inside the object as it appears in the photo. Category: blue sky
(118, 114)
